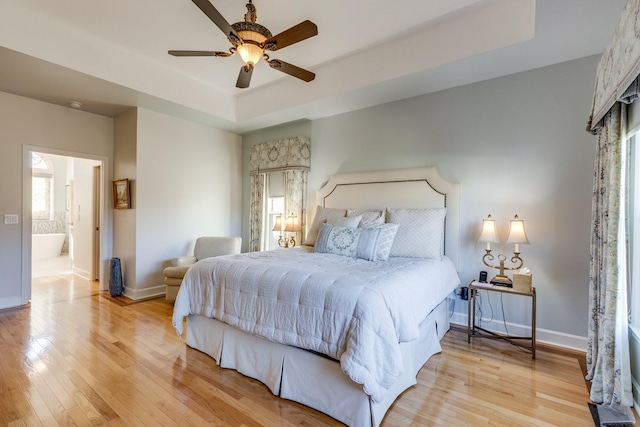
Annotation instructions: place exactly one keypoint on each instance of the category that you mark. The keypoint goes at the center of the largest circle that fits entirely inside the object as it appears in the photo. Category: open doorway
(50, 219)
(65, 203)
(64, 200)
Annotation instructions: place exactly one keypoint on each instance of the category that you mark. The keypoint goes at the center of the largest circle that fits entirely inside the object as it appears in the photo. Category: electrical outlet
(10, 218)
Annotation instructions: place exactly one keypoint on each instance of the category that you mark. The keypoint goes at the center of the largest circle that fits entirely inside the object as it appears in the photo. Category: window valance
(619, 65)
(282, 154)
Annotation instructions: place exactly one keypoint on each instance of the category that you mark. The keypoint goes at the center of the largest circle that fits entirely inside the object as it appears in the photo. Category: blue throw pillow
(371, 244)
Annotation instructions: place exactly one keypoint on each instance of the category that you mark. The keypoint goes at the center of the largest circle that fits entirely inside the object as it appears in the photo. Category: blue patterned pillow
(372, 244)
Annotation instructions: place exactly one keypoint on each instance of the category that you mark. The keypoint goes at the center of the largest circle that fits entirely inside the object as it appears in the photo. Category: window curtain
(291, 155)
(608, 360)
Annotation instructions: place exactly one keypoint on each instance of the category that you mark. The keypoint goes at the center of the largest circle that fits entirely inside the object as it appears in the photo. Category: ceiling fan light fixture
(250, 53)
(253, 36)
(250, 40)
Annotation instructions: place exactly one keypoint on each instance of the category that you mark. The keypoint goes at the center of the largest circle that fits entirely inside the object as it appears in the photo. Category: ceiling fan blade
(215, 16)
(198, 53)
(244, 78)
(292, 70)
(295, 34)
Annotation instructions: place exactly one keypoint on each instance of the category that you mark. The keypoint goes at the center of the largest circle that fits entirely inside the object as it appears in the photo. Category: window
(41, 187)
(275, 207)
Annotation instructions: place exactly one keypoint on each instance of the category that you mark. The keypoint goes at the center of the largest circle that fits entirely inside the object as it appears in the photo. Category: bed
(266, 314)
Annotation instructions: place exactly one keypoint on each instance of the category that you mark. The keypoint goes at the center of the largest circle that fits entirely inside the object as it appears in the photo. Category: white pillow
(348, 221)
(369, 217)
(322, 215)
(421, 232)
(371, 244)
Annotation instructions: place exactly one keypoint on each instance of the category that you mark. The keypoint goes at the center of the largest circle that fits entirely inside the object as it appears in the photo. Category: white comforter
(352, 310)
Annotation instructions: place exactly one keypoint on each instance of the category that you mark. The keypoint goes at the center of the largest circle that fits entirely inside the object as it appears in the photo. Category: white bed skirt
(309, 378)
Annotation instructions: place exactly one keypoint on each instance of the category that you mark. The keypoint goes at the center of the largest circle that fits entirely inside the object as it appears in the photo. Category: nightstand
(474, 331)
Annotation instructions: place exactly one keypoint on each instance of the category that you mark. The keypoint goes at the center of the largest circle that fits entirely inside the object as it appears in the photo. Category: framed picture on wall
(121, 194)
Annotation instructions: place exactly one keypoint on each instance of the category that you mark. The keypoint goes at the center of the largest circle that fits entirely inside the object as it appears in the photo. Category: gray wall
(51, 129)
(186, 184)
(517, 145)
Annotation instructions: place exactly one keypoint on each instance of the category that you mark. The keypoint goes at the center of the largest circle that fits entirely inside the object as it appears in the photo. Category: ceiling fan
(251, 39)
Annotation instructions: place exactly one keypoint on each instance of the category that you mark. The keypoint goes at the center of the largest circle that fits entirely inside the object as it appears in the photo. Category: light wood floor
(76, 358)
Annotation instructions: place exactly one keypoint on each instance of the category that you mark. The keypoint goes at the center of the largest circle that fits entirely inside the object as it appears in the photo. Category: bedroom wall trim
(136, 294)
(82, 273)
(10, 303)
(559, 339)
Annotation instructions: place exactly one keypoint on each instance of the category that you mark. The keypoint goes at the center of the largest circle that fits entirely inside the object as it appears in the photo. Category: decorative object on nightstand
(517, 236)
(522, 280)
(292, 226)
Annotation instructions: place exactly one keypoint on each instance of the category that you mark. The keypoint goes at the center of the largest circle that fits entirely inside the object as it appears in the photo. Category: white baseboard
(136, 294)
(82, 273)
(12, 302)
(560, 339)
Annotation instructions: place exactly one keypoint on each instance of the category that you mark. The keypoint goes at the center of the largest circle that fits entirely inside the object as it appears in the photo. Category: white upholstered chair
(206, 247)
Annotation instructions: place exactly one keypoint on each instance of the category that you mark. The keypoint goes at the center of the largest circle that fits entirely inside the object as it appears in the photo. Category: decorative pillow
(371, 244)
(369, 218)
(348, 221)
(322, 215)
(421, 232)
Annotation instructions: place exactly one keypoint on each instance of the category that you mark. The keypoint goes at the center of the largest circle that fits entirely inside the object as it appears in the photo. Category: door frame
(105, 213)
(96, 228)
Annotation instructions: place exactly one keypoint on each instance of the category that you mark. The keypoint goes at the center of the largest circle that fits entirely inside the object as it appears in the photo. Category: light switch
(10, 218)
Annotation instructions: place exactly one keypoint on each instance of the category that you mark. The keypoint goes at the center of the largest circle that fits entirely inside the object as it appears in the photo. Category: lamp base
(502, 281)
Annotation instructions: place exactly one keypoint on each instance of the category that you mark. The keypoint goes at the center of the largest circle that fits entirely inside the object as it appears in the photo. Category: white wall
(124, 220)
(188, 181)
(517, 145)
(25, 122)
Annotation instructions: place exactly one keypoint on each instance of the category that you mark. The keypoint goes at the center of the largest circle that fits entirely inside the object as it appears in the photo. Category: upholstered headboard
(418, 188)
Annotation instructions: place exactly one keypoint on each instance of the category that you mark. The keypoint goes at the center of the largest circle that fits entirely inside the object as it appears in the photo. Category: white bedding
(352, 310)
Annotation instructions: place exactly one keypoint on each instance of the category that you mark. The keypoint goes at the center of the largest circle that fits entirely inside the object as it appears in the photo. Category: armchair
(205, 247)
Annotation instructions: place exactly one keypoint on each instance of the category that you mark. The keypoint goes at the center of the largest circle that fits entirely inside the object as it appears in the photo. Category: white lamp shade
(517, 234)
(293, 225)
(250, 50)
(278, 225)
(489, 233)
(250, 53)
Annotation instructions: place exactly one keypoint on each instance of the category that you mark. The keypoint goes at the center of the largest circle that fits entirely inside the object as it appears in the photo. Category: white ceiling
(112, 55)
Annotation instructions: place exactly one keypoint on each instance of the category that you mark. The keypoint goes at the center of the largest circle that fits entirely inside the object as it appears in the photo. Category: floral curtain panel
(619, 66)
(608, 364)
(291, 155)
(257, 213)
